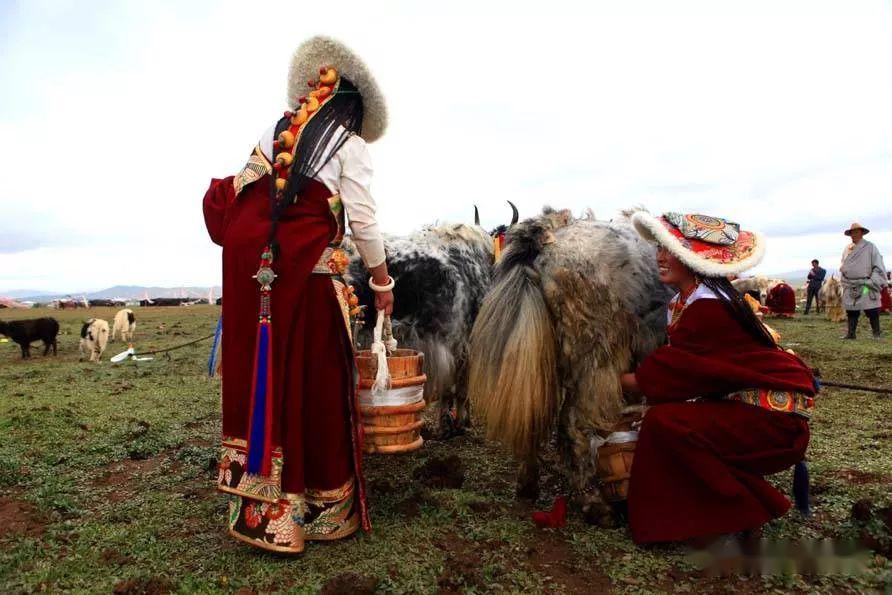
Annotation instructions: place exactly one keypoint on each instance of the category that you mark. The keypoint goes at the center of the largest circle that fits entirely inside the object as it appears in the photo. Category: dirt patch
(410, 506)
(19, 518)
(114, 557)
(441, 472)
(853, 476)
(462, 567)
(124, 472)
(549, 554)
(382, 485)
(350, 583)
(153, 585)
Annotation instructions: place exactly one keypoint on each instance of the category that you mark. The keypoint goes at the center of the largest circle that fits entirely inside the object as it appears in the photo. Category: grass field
(107, 474)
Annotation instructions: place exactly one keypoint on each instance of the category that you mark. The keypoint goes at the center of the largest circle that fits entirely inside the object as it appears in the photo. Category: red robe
(699, 466)
(885, 300)
(781, 299)
(315, 490)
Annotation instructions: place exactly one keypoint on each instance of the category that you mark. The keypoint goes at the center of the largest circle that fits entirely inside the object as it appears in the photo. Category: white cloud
(114, 119)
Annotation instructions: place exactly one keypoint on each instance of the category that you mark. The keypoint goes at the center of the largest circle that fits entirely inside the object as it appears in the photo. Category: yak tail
(513, 384)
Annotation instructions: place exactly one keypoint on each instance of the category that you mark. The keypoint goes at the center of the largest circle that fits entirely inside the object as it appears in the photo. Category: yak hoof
(599, 517)
(597, 512)
(527, 490)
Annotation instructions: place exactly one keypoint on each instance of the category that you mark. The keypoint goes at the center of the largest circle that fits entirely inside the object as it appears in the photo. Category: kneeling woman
(727, 405)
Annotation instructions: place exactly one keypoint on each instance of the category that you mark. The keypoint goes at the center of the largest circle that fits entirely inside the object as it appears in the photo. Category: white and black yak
(442, 273)
(94, 338)
(25, 332)
(125, 325)
(574, 303)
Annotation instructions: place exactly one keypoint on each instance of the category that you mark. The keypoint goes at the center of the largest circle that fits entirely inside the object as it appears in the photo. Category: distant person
(863, 278)
(815, 281)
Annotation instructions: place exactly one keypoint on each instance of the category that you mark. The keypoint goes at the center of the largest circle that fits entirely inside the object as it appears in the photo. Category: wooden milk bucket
(614, 460)
(615, 465)
(391, 418)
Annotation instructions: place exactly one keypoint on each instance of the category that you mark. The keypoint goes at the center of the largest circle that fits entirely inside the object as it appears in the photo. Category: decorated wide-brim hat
(855, 226)
(314, 58)
(710, 246)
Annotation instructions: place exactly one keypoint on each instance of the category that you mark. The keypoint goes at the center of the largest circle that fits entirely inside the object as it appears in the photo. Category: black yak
(442, 273)
(25, 332)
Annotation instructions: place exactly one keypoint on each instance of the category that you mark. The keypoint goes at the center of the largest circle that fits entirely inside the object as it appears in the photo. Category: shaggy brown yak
(574, 303)
(831, 298)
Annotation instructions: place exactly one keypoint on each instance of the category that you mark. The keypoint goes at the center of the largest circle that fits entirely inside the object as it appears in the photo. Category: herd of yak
(94, 333)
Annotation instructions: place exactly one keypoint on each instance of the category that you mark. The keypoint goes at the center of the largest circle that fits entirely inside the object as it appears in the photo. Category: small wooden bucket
(615, 466)
(393, 428)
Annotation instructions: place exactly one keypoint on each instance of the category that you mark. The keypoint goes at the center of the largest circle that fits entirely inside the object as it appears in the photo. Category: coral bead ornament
(328, 76)
(301, 116)
(286, 139)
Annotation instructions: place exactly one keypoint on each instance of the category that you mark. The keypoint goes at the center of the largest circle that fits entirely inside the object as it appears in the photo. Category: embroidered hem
(286, 524)
(776, 400)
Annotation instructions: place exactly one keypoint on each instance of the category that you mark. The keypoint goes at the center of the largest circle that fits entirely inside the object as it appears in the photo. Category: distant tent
(6, 302)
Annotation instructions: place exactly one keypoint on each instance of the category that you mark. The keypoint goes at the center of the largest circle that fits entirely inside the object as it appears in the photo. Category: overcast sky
(114, 116)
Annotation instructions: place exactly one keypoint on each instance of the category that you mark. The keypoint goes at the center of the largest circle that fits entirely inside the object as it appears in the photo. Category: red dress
(781, 300)
(315, 489)
(699, 466)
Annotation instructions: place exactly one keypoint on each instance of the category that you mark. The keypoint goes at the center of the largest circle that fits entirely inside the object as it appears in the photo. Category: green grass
(107, 474)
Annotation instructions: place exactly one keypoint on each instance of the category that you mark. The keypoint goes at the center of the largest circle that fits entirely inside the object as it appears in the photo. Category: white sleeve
(356, 178)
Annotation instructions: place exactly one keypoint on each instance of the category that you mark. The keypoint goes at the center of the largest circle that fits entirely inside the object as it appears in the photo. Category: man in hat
(863, 278)
(815, 281)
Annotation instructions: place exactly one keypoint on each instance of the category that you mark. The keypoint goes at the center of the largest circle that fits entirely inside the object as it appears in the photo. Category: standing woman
(727, 405)
(291, 460)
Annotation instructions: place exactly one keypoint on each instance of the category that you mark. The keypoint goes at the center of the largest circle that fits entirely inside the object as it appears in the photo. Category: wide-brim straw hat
(710, 246)
(855, 226)
(321, 51)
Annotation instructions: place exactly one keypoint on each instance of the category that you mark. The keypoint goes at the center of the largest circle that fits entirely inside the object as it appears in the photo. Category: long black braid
(338, 119)
(738, 308)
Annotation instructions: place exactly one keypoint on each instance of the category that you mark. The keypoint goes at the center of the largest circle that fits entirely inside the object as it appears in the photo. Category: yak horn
(515, 216)
(476, 216)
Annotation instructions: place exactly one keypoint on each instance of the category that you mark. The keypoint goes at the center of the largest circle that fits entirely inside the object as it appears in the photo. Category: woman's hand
(629, 384)
(384, 301)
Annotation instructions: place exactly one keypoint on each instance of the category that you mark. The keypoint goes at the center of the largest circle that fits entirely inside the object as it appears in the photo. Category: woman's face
(671, 270)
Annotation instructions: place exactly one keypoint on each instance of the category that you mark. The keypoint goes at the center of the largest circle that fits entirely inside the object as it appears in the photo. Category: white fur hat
(710, 246)
(324, 51)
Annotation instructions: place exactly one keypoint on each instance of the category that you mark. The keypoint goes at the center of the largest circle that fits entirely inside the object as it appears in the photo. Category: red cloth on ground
(313, 418)
(781, 299)
(699, 466)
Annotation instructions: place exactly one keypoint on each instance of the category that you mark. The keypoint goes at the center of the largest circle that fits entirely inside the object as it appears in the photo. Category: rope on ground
(869, 389)
(177, 346)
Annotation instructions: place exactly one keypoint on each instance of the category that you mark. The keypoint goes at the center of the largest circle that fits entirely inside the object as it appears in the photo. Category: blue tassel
(800, 488)
(257, 435)
(212, 358)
